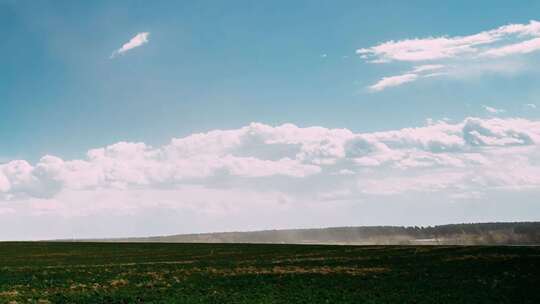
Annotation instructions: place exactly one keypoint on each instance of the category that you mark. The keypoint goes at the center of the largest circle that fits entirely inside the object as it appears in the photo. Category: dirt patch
(357, 271)
(469, 257)
(9, 293)
(119, 283)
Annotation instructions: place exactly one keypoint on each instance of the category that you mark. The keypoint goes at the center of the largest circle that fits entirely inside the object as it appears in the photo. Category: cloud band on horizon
(474, 152)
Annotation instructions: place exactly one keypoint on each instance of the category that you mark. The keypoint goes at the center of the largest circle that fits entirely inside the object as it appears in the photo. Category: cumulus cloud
(243, 175)
(137, 41)
(468, 155)
(531, 105)
(450, 55)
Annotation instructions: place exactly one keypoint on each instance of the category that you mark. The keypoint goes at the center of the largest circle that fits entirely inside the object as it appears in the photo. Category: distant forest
(517, 233)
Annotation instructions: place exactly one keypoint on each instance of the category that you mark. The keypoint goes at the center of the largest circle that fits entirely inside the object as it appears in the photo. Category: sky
(136, 118)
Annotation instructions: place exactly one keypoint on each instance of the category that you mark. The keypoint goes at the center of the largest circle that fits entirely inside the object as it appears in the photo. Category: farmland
(63, 272)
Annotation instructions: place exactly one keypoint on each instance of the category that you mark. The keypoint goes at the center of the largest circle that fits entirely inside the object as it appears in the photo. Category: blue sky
(210, 65)
(222, 65)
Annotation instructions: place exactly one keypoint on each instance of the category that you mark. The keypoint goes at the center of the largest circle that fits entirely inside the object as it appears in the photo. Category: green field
(233, 273)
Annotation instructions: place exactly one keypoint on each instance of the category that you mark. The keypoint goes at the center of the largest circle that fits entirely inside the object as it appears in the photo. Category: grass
(242, 273)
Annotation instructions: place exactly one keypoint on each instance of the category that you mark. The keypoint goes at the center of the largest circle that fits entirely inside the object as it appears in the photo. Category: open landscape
(63, 272)
(269, 152)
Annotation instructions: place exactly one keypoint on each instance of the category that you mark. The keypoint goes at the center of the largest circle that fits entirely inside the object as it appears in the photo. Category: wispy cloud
(427, 67)
(393, 81)
(524, 47)
(136, 41)
(434, 48)
(449, 55)
(493, 110)
(421, 71)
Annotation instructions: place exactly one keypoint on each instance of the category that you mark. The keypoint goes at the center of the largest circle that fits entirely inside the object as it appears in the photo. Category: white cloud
(434, 48)
(493, 110)
(281, 170)
(421, 71)
(136, 41)
(427, 67)
(523, 47)
(531, 105)
(460, 56)
(258, 152)
(393, 81)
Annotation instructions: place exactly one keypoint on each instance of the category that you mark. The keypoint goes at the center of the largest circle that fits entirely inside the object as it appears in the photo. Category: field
(234, 273)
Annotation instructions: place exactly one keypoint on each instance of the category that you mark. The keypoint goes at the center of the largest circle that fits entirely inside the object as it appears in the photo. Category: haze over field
(134, 118)
(522, 233)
